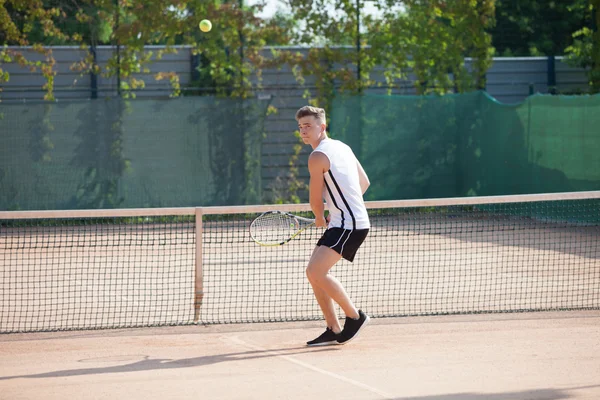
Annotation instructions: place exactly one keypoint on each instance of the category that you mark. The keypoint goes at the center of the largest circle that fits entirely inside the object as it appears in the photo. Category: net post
(199, 284)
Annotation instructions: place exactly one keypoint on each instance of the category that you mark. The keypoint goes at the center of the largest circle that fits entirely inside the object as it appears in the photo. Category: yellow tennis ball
(205, 25)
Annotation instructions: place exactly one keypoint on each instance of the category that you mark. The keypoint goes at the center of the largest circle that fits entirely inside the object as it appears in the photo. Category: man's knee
(310, 273)
(313, 274)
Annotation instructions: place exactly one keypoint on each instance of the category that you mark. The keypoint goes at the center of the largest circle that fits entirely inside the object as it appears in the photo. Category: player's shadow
(150, 364)
(537, 394)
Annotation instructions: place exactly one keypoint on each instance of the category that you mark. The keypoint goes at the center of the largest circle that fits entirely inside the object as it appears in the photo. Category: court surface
(545, 355)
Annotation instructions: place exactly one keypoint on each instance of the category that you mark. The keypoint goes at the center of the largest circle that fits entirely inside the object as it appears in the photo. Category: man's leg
(328, 289)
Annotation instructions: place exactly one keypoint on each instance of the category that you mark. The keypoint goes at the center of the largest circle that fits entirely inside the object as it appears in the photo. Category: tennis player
(337, 176)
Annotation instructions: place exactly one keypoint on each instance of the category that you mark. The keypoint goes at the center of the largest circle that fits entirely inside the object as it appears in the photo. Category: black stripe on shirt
(343, 199)
(333, 199)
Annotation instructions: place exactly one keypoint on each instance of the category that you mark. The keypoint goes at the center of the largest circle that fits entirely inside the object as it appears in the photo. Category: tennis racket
(276, 228)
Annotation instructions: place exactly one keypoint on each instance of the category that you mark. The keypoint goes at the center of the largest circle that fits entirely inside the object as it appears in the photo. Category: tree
(536, 27)
(428, 38)
(20, 19)
(432, 39)
(233, 47)
(585, 50)
(285, 32)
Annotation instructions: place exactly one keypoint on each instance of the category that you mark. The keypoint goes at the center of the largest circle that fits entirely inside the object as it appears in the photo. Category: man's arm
(363, 179)
(318, 164)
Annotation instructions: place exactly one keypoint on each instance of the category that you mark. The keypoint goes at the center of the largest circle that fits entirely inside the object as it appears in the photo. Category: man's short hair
(316, 112)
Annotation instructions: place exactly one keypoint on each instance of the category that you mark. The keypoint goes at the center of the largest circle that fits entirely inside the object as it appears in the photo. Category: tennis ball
(205, 25)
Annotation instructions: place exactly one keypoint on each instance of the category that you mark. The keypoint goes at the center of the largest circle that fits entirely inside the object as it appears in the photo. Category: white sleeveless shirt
(342, 191)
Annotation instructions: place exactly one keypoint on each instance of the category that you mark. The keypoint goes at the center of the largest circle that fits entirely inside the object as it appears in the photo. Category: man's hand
(320, 222)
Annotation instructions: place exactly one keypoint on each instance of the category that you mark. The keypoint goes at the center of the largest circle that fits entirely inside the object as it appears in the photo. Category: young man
(337, 176)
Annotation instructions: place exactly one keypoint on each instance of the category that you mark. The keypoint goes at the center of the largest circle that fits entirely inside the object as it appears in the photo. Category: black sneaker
(352, 327)
(327, 338)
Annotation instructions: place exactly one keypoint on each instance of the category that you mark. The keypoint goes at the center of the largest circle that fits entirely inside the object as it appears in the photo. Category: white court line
(361, 385)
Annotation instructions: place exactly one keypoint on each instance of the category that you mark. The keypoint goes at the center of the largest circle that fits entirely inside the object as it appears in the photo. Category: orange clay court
(554, 355)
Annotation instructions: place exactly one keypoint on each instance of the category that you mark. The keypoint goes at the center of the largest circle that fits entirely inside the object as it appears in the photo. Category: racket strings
(274, 228)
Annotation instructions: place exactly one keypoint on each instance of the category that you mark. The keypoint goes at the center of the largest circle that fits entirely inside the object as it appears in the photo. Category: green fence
(205, 151)
(469, 144)
(130, 153)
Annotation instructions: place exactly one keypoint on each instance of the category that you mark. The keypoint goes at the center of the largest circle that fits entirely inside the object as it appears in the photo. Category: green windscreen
(469, 144)
(130, 153)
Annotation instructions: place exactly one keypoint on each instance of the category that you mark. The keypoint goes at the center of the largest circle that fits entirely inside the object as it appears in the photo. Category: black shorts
(344, 241)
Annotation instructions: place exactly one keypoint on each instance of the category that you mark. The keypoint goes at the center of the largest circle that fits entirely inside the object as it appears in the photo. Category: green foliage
(430, 39)
(232, 48)
(536, 27)
(585, 50)
(284, 25)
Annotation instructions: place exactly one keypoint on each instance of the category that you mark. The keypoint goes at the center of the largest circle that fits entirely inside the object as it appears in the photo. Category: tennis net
(62, 270)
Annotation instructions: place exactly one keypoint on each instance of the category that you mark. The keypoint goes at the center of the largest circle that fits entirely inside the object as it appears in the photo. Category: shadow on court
(150, 364)
(537, 394)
